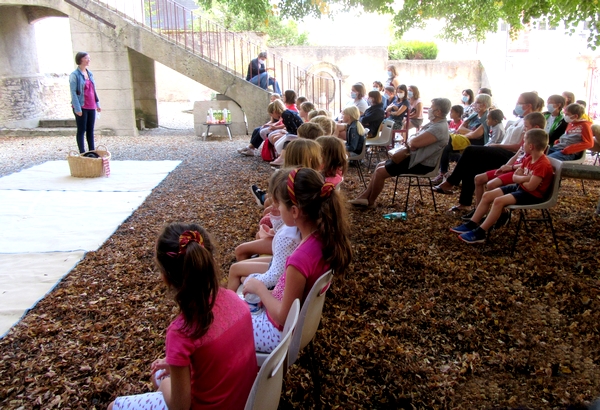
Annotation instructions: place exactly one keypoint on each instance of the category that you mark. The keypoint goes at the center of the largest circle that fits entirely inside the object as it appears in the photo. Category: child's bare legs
(340, 131)
(480, 181)
(240, 270)
(257, 247)
(498, 206)
(268, 203)
(494, 183)
(484, 205)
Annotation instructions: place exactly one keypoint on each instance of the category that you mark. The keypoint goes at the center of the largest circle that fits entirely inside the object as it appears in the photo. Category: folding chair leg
(316, 376)
(419, 185)
(432, 195)
(552, 230)
(395, 187)
(514, 245)
(583, 187)
(361, 177)
(407, 194)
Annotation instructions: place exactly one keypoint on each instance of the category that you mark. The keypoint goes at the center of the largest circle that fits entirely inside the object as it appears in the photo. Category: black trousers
(256, 139)
(476, 160)
(85, 125)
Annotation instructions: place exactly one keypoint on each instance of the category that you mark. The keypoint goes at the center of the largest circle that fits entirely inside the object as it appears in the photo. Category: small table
(214, 124)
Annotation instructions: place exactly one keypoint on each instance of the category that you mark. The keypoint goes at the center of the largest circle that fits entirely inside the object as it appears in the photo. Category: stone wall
(441, 78)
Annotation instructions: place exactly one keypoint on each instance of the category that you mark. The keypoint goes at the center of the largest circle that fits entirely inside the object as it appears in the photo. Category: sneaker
(503, 220)
(359, 202)
(466, 227)
(258, 195)
(240, 150)
(438, 180)
(475, 236)
(248, 152)
(468, 216)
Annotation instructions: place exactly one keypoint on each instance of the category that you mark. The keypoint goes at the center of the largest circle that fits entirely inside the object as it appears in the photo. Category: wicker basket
(85, 167)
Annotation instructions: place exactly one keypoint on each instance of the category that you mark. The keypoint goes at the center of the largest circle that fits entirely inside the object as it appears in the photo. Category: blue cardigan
(77, 84)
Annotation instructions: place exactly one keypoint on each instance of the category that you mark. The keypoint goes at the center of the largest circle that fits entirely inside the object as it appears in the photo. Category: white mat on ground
(26, 278)
(48, 220)
(62, 221)
(124, 176)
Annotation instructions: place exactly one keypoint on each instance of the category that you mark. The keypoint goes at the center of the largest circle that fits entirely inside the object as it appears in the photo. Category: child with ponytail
(314, 206)
(199, 370)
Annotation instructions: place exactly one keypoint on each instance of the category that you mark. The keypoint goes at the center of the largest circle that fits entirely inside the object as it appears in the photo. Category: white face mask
(262, 61)
(567, 118)
(401, 95)
(431, 115)
(550, 107)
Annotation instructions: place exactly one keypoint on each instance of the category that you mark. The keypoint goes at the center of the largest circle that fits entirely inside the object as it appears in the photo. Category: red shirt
(541, 168)
(223, 361)
(89, 96)
(291, 107)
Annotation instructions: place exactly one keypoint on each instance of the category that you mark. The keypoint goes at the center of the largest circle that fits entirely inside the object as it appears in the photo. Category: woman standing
(84, 100)
(393, 77)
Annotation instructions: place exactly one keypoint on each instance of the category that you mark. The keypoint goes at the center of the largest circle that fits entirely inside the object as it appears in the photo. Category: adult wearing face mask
(393, 77)
(555, 123)
(258, 74)
(420, 156)
(479, 159)
(399, 107)
(374, 115)
(467, 100)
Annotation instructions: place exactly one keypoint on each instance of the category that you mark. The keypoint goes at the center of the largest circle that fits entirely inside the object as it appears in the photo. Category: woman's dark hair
(376, 96)
(328, 212)
(289, 97)
(484, 90)
(79, 56)
(403, 88)
(469, 92)
(191, 274)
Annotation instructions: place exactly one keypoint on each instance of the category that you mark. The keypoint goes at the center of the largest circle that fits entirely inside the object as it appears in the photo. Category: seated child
(531, 182)
(577, 137)
(299, 101)
(494, 122)
(456, 121)
(308, 130)
(496, 178)
(275, 96)
(596, 133)
(305, 108)
(355, 132)
(284, 240)
(315, 113)
(335, 161)
(326, 123)
(289, 99)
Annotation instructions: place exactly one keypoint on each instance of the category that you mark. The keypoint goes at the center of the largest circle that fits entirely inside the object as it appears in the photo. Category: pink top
(337, 179)
(89, 96)
(291, 107)
(308, 259)
(223, 361)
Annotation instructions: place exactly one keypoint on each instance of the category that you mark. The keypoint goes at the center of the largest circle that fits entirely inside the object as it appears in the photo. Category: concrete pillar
(144, 88)
(21, 105)
(112, 73)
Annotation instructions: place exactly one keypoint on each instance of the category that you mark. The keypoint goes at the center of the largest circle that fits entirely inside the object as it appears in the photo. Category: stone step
(58, 123)
(47, 132)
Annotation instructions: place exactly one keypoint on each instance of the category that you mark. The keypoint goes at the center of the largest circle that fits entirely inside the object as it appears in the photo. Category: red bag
(268, 151)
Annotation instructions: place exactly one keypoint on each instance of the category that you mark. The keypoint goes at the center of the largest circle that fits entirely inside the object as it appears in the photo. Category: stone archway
(325, 84)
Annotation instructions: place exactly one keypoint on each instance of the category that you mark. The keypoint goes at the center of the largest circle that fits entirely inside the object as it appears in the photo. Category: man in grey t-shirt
(421, 155)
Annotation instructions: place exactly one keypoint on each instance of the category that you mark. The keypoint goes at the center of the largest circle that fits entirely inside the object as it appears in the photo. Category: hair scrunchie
(184, 239)
(290, 185)
(327, 189)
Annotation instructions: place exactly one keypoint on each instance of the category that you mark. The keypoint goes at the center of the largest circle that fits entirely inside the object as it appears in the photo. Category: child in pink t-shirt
(335, 160)
(199, 371)
(306, 201)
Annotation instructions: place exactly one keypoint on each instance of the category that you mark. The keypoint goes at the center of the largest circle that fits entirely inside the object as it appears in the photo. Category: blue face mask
(551, 107)
(519, 110)
(465, 99)
(410, 94)
(390, 74)
(353, 95)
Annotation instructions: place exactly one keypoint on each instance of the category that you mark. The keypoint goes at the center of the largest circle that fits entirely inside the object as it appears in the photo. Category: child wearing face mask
(577, 138)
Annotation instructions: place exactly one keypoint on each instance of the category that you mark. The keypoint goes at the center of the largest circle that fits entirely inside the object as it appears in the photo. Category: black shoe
(258, 194)
(468, 216)
(503, 220)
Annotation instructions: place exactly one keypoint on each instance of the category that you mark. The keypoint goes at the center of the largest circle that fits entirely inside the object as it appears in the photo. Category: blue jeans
(85, 125)
(556, 153)
(263, 81)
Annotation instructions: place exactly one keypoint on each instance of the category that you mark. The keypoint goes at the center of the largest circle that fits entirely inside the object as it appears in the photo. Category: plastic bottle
(228, 116)
(253, 302)
(211, 114)
(396, 215)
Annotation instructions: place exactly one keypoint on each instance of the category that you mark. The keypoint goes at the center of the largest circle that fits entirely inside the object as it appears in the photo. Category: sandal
(441, 190)
(459, 208)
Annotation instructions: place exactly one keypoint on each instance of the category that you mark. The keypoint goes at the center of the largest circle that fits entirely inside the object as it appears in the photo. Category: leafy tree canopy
(279, 32)
(464, 19)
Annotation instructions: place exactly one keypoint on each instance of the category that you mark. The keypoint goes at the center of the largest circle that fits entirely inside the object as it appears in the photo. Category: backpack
(268, 151)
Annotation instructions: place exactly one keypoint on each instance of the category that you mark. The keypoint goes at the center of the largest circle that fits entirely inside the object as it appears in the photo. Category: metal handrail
(228, 50)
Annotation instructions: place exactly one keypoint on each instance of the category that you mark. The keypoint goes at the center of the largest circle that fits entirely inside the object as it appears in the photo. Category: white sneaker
(359, 202)
(240, 150)
(248, 152)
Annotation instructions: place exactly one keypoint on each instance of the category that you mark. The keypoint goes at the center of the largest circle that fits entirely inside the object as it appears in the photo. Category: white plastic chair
(357, 160)
(552, 196)
(266, 390)
(418, 184)
(579, 161)
(382, 141)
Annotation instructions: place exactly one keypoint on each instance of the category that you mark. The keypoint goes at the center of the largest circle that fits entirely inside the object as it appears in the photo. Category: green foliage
(412, 50)
(279, 33)
(464, 19)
